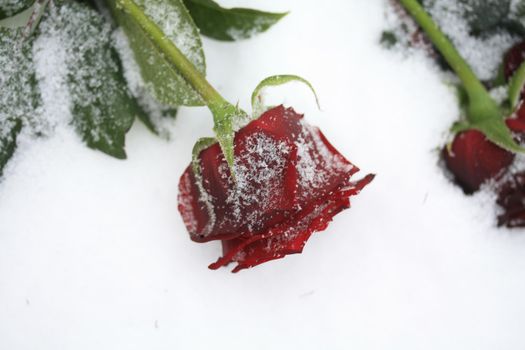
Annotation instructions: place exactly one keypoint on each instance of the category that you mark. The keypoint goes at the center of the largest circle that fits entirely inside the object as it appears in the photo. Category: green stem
(173, 54)
(481, 105)
(224, 113)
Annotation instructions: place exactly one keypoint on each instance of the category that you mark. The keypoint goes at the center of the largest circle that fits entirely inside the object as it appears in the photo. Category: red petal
(517, 122)
(513, 59)
(474, 160)
(511, 198)
(289, 237)
(517, 125)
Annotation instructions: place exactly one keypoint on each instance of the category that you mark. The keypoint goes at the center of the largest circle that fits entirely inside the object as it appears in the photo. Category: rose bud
(513, 59)
(473, 159)
(474, 156)
(289, 182)
(511, 194)
(511, 198)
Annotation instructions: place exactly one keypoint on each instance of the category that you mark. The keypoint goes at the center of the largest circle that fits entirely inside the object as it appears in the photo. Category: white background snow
(94, 255)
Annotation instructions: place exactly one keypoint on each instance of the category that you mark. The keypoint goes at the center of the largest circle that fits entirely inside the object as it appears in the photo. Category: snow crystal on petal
(315, 162)
(186, 201)
(259, 176)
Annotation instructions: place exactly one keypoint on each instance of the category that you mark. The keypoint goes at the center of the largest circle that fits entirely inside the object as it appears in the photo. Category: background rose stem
(172, 53)
(481, 106)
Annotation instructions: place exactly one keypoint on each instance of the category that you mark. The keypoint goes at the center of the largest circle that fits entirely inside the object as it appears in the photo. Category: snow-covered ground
(94, 255)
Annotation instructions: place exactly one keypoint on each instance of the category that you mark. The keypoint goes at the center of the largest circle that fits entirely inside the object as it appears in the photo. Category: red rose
(511, 194)
(473, 159)
(511, 198)
(290, 182)
(513, 59)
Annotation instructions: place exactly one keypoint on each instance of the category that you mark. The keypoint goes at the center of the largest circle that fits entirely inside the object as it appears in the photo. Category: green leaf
(155, 116)
(162, 79)
(10, 8)
(230, 24)
(102, 107)
(488, 17)
(515, 24)
(484, 16)
(27, 19)
(19, 20)
(519, 7)
(497, 131)
(9, 130)
(388, 39)
(257, 103)
(19, 97)
(516, 85)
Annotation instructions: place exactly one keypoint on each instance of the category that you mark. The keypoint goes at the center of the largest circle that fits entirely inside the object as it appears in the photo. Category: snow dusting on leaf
(481, 46)
(11, 7)
(482, 53)
(170, 17)
(80, 67)
(161, 78)
(50, 59)
(19, 98)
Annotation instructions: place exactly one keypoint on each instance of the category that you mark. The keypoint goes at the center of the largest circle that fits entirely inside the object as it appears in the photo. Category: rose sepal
(258, 106)
(227, 119)
(516, 85)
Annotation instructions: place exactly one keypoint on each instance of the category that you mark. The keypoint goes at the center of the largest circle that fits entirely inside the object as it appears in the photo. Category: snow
(483, 54)
(51, 69)
(16, 84)
(72, 62)
(94, 255)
